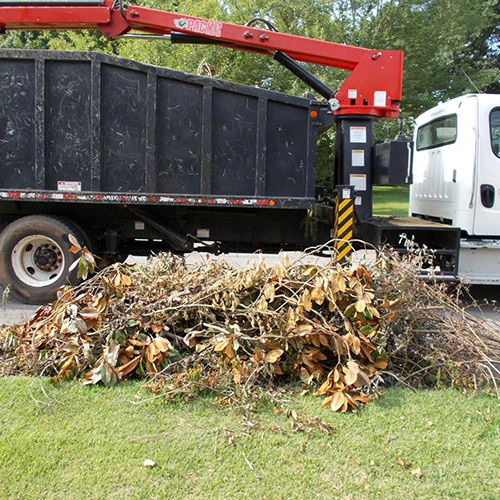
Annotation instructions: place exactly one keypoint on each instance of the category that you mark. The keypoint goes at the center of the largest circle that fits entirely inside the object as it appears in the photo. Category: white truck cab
(456, 179)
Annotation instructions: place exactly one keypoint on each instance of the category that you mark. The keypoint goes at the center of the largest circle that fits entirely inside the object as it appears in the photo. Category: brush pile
(340, 330)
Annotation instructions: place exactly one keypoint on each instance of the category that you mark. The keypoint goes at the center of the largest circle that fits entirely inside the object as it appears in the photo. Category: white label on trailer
(139, 225)
(358, 134)
(380, 98)
(69, 186)
(358, 158)
(203, 233)
(352, 93)
(358, 181)
(346, 193)
(357, 200)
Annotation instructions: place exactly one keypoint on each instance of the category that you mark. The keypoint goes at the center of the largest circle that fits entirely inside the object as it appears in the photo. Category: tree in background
(451, 47)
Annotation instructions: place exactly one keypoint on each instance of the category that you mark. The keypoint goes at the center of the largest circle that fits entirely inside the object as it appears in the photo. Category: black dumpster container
(92, 123)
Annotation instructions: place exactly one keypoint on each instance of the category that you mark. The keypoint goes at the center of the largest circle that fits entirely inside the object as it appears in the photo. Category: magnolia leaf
(327, 402)
(307, 361)
(351, 401)
(273, 356)
(360, 306)
(221, 345)
(101, 303)
(306, 300)
(353, 366)
(66, 366)
(381, 363)
(108, 375)
(355, 344)
(89, 313)
(74, 242)
(126, 279)
(318, 295)
(314, 339)
(363, 378)
(325, 387)
(162, 344)
(315, 354)
(324, 340)
(367, 312)
(129, 367)
(352, 373)
(350, 310)
(83, 269)
(338, 283)
(258, 354)
(350, 377)
(361, 398)
(367, 350)
(111, 353)
(304, 328)
(374, 311)
(310, 271)
(93, 376)
(356, 286)
(229, 351)
(155, 328)
(338, 401)
(89, 257)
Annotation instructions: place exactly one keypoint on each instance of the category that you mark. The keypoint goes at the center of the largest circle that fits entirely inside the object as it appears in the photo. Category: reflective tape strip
(344, 252)
(345, 210)
(343, 230)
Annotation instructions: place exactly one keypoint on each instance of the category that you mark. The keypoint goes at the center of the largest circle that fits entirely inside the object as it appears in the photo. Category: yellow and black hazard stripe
(343, 229)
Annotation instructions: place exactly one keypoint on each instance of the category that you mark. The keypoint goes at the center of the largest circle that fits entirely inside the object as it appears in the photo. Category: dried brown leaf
(273, 356)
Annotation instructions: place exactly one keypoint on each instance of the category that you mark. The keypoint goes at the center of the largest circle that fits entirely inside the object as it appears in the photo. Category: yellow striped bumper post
(344, 222)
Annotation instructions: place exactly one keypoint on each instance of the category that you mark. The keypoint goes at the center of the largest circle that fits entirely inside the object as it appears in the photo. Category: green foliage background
(451, 47)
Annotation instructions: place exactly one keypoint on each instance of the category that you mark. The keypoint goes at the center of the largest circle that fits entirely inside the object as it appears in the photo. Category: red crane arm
(373, 87)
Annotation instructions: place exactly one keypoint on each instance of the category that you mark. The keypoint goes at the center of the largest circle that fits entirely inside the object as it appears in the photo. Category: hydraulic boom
(373, 88)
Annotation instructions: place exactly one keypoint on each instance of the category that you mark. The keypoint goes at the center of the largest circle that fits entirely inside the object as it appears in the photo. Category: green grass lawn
(69, 441)
(390, 200)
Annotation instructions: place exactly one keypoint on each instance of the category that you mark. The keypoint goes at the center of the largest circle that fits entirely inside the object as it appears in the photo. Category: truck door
(487, 203)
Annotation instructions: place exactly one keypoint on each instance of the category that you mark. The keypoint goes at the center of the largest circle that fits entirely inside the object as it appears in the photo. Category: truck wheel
(35, 260)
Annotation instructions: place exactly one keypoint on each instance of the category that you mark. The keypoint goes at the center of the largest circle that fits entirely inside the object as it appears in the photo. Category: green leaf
(108, 376)
(83, 269)
(367, 313)
(350, 310)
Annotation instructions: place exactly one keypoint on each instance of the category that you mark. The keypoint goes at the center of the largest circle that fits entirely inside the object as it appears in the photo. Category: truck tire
(35, 260)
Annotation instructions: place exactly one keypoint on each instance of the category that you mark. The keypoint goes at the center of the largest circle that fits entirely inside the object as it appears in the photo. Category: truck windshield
(438, 132)
(495, 131)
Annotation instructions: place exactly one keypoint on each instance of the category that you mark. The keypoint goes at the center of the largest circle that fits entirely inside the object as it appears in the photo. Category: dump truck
(454, 206)
(127, 158)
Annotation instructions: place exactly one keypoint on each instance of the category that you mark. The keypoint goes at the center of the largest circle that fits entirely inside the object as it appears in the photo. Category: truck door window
(495, 131)
(438, 132)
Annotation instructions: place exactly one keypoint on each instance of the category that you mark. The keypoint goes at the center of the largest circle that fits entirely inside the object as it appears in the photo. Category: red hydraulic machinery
(371, 91)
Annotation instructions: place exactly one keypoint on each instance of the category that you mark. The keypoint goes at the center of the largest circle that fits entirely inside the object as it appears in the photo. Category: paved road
(487, 297)
(14, 312)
